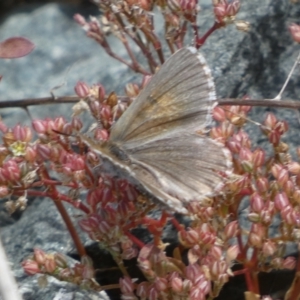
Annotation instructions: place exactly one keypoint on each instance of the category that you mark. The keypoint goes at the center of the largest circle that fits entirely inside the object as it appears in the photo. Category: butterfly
(155, 144)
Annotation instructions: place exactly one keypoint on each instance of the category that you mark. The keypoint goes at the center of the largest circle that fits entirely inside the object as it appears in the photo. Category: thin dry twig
(24, 103)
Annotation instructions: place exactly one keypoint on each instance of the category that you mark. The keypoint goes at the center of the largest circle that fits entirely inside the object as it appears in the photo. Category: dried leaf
(15, 47)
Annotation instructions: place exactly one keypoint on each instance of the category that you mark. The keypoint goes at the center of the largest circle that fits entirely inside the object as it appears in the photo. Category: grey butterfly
(154, 144)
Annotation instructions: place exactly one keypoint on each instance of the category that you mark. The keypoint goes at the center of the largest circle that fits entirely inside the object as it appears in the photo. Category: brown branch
(23, 103)
(260, 102)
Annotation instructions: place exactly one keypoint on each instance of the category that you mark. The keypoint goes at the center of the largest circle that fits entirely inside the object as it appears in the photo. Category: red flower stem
(200, 41)
(135, 240)
(240, 272)
(242, 255)
(102, 41)
(137, 39)
(249, 282)
(182, 33)
(294, 291)
(70, 227)
(61, 197)
(53, 182)
(64, 214)
(176, 224)
(253, 273)
(248, 278)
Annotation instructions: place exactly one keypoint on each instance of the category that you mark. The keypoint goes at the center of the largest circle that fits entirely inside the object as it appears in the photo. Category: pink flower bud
(215, 252)
(220, 12)
(233, 146)
(23, 134)
(258, 158)
(31, 267)
(142, 290)
(101, 134)
(256, 203)
(288, 187)
(105, 112)
(79, 19)
(161, 284)
(255, 240)
(11, 170)
(59, 124)
(86, 225)
(281, 127)
(30, 154)
(296, 196)
(82, 89)
(294, 167)
(92, 158)
(216, 133)
(43, 151)
(231, 230)
(281, 201)
(288, 215)
(4, 191)
(126, 285)
(262, 184)
(50, 264)
(39, 256)
(192, 236)
(219, 114)
(39, 126)
(177, 285)
(277, 262)
(233, 8)
(295, 32)
(95, 107)
(60, 260)
(3, 127)
(193, 272)
(245, 155)
(76, 123)
(289, 263)
(132, 90)
(145, 81)
(268, 248)
(232, 253)
(104, 227)
(218, 268)
(187, 6)
(274, 137)
(276, 169)
(270, 121)
(196, 294)
(129, 253)
(153, 294)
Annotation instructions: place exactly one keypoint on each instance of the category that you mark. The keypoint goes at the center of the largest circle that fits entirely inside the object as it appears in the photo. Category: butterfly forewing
(178, 98)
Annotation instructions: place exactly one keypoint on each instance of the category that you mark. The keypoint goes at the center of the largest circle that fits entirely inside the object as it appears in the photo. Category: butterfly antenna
(278, 97)
(63, 83)
(28, 113)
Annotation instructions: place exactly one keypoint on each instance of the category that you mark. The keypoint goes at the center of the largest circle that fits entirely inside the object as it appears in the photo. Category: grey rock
(254, 63)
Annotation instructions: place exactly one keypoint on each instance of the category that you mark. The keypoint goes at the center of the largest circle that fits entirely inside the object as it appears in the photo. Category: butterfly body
(154, 144)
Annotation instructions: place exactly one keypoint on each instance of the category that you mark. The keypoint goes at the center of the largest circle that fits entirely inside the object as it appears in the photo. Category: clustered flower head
(56, 265)
(270, 183)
